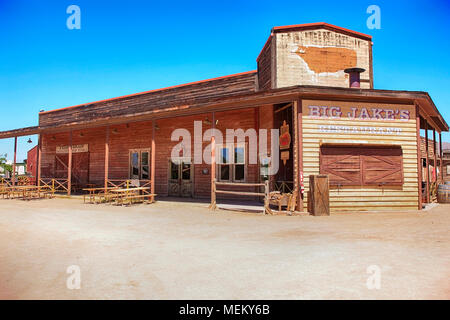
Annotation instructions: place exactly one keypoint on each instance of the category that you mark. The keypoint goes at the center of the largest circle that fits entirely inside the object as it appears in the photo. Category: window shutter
(360, 166)
(383, 166)
(343, 165)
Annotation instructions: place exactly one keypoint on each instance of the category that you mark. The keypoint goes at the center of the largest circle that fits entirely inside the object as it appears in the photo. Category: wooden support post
(427, 171)
(256, 109)
(441, 156)
(296, 180)
(213, 164)
(434, 155)
(300, 154)
(419, 158)
(213, 206)
(267, 209)
(39, 161)
(69, 167)
(153, 159)
(13, 178)
(106, 159)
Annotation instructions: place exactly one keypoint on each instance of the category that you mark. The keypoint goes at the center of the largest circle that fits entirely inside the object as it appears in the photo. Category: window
(140, 164)
(232, 162)
(362, 166)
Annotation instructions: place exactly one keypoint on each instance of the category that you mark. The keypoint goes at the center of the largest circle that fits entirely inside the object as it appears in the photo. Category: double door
(180, 178)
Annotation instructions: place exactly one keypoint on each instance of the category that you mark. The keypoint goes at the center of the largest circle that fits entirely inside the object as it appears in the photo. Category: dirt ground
(173, 250)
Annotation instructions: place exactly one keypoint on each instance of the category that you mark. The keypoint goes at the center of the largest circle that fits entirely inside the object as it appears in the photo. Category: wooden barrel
(443, 193)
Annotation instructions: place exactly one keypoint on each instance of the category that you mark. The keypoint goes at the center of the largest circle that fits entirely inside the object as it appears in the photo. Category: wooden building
(313, 81)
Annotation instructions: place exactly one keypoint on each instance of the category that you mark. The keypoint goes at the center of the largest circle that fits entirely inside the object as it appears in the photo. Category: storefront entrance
(180, 178)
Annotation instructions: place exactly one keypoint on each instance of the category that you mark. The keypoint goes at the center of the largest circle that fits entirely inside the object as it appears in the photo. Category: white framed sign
(79, 148)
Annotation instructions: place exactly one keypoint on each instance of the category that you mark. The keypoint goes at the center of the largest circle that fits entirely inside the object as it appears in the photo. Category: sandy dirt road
(182, 251)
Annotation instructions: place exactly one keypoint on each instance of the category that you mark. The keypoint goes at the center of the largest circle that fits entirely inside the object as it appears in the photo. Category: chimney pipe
(354, 76)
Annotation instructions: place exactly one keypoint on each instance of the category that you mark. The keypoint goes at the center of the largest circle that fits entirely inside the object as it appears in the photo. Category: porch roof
(427, 108)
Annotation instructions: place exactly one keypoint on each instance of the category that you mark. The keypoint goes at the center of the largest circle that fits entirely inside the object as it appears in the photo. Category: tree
(6, 167)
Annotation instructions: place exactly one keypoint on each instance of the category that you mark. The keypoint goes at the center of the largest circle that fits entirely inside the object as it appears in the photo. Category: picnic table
(127, 195)
(26, 192)
(100, 192)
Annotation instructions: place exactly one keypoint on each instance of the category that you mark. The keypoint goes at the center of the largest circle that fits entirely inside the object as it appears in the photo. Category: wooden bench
(5, 194)
(128, 199)
(104, 197)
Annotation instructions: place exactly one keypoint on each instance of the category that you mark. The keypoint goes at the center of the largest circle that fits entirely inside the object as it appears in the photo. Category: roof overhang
(28, 131)
(426, 106)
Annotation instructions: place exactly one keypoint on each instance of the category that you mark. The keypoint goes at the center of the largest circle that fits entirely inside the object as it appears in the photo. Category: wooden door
(61, 166)
(180, 178)
(80, 167)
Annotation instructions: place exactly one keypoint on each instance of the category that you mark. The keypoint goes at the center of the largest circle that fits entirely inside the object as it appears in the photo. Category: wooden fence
(264, 194)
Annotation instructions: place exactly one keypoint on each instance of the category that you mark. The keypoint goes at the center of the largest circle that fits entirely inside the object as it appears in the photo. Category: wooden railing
(284, 186)
(5, 182)
(264, 194)
(55, 185)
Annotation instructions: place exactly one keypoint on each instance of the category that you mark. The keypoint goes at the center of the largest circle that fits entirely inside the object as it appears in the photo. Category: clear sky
(125, 47)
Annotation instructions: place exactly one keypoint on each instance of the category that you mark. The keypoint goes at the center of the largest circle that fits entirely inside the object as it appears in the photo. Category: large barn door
(80, 167)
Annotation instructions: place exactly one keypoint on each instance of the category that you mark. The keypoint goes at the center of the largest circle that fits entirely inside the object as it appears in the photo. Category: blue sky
(130, 46)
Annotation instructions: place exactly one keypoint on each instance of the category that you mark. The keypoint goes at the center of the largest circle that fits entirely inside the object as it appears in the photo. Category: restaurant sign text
(358, 113)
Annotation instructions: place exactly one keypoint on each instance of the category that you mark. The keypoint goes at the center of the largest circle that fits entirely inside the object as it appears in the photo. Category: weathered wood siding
(316, 131)
(319, 57)
(153, 100)
(265, 66)
(138, 135)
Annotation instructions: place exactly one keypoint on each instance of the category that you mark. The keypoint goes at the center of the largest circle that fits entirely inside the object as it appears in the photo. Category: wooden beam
(14, 163)
(107, 159)
(69, 167)
(39, 159)
(427, 171)
(435, 155)
(441, 155)
(419, 158)
(300, 154)
(283, 108)
(153, 159)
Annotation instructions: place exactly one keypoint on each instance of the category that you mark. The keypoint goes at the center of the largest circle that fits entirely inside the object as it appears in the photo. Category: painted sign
(284, 155)
(341, 117)
(285, 137)
(357, 111)
(359, 130)
(79, 148)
